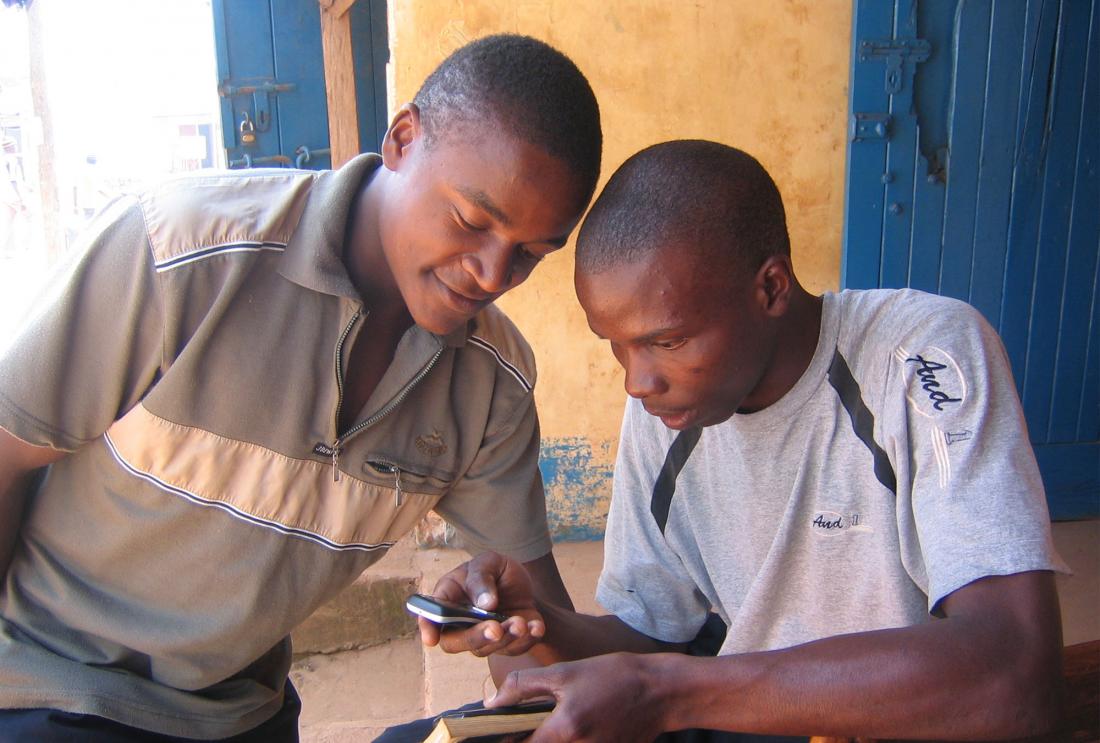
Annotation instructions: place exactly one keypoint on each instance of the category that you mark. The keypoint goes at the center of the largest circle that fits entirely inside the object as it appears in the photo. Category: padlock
(248, 131)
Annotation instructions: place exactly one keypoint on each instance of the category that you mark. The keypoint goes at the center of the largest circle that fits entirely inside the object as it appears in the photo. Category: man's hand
(609, 697)
(497, 583)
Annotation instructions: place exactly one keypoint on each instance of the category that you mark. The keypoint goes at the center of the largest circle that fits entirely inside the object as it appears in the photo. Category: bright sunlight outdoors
(95, 98)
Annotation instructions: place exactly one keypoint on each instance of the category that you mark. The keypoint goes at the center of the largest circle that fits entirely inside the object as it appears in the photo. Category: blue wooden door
(972, 173)
(272, 80)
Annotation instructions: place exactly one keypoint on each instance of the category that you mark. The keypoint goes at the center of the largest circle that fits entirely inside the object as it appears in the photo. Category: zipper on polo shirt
(393, 469)
(359, 427)
(340, 393)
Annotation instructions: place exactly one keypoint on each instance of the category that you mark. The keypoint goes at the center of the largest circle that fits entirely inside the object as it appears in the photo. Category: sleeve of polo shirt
(91, 346)
(500, 504)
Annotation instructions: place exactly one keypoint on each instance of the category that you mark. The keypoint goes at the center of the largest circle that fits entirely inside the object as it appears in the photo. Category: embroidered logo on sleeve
(935, 383)
(936, 389)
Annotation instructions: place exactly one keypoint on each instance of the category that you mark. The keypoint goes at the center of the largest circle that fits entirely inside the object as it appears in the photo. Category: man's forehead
(483, 201)
(633, 299)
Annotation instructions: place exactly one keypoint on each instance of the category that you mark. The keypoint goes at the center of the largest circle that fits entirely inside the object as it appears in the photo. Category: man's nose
(492, 266)
(642, 379)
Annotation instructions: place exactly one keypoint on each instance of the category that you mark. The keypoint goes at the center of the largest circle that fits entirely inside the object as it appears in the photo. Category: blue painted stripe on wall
(578, 487)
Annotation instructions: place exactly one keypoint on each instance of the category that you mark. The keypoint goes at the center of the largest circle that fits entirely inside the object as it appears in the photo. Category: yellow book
(489, 724)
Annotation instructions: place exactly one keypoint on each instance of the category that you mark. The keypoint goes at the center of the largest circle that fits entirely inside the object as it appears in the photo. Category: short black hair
(711, 198)
(524, 85)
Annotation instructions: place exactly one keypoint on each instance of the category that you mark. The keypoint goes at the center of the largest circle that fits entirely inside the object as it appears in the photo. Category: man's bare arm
(547, 582)
(990, 669)
(548, 587)
(18, 461)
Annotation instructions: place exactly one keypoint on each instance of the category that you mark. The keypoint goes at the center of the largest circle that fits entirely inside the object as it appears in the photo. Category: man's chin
(716, 419)
(441, 323)
(442, 328)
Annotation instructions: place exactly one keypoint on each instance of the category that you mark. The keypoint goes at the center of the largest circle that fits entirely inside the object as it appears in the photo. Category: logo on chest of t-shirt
(935, 382)
(833, 522)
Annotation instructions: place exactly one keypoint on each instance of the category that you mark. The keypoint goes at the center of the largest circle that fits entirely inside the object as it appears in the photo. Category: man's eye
(671, 345)
(464, 224)
(529, 255)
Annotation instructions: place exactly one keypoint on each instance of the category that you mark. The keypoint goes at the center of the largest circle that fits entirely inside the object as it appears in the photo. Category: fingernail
(483, 600)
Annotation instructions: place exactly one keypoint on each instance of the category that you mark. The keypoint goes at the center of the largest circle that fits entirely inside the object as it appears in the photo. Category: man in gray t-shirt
(845, 480)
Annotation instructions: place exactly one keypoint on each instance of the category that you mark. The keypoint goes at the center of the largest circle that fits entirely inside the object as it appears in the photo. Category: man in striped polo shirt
(251, 384)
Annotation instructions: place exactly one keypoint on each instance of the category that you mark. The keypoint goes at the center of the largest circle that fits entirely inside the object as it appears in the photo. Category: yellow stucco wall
(768, 76)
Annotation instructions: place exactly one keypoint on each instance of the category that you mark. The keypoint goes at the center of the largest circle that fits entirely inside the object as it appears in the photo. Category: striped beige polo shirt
(190, 362)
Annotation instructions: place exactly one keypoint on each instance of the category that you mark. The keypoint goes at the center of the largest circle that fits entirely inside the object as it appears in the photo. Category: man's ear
(405, 129)
(773, 285)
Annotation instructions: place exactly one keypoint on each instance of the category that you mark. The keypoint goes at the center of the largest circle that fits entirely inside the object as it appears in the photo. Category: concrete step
(369, 612)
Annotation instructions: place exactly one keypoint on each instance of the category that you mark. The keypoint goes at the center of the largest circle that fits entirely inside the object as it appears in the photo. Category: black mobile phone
(447, 612)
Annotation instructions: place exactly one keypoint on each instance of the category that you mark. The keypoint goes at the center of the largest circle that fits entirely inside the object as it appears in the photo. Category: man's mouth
(675, 419)
(463, 301)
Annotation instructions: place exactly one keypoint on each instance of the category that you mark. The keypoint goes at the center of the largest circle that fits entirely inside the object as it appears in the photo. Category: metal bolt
(895, 208)
(887, 177)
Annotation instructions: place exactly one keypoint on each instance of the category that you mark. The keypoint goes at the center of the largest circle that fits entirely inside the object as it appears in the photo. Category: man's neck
(804, 330)
(795, 343)
(366, 262)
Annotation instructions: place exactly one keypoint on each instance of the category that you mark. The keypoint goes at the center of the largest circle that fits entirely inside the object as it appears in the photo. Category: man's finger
(517, 635)
(461, 639)
(488, 638)
(520, 627)
(483, 580)
(452, 587)
(429, 632)
(520, 686)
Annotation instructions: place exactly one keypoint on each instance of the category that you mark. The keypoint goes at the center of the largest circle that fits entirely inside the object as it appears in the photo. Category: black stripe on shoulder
(200, 254)
(508, 366)
(863, 421)
(665, 486)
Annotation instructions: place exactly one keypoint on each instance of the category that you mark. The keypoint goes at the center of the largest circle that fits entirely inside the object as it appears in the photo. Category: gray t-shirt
(895, 471)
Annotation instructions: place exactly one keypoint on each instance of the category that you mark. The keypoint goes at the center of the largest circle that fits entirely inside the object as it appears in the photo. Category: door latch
(894, 52)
